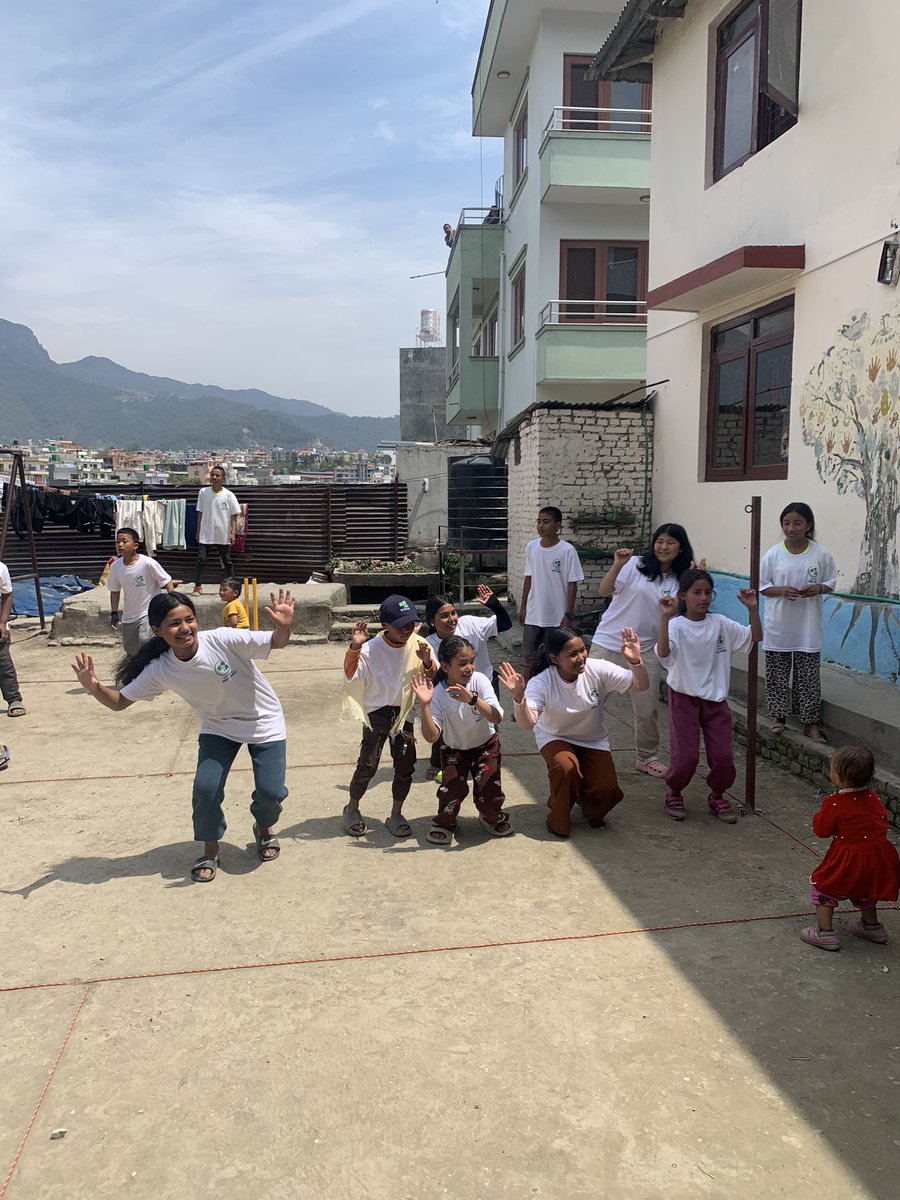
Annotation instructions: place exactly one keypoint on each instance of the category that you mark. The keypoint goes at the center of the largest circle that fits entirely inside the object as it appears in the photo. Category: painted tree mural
(851, 417)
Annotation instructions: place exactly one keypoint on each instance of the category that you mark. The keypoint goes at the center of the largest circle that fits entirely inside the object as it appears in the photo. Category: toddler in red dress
(860, 865)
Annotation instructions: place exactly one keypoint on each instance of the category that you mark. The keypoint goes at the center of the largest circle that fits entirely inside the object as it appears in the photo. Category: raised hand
(622, 555)
(747, 597)
(281, 610)
(460, 693)
(668, 607)
(359, 635)
(698, 566)
(631, 646)
(83, 666)
(512, 681)
(423, 650)
(423, 688)
(484, 593)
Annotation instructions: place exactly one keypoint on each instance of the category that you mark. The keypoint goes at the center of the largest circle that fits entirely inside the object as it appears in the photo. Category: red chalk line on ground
(40, 1100)
(548, 939)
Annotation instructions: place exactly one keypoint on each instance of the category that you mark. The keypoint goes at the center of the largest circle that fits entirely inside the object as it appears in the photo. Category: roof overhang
(628, 51)
(725, 279)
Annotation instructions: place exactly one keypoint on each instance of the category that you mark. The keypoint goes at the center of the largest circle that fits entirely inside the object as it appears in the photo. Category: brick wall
(586, 461)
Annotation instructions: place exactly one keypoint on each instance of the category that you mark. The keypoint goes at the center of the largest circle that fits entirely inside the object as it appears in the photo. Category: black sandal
(269, 842)
(204, 863)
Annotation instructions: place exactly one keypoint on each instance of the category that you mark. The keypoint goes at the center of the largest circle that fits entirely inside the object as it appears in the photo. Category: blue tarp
(54, 589)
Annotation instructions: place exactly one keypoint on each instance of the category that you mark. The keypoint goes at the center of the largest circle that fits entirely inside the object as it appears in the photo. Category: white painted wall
(831, 183)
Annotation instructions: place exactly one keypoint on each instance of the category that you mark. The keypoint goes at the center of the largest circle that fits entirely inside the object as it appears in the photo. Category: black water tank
(476, 503)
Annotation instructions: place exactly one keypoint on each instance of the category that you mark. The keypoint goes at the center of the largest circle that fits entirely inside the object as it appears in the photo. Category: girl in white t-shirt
(793, 577)
(215, 672)
(695, 646)
(462, 711)
(443, 621)
(636, 585)
(563, 704)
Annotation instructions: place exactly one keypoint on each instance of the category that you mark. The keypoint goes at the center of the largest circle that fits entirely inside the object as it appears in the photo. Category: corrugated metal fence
(292, 530)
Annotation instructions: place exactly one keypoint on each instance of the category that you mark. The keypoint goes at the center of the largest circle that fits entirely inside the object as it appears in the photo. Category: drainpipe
(501, 345)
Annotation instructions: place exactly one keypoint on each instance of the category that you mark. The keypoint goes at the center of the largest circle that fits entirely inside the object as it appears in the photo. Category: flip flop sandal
(398, 826)
(503, 828)
(266, 843)
(439, 836)
(204, 863)
(353, 823)
(4, 757)
(16, 709)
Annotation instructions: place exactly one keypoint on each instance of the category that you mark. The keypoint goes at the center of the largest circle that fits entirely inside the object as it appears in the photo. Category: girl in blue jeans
(215, 673)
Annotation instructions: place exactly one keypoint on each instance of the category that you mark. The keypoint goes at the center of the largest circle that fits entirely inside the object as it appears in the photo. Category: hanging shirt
(795, 624)
(573, 712)
(221, 683)
(552, 569)
(128, 516)
(635, 603)
(138, 582)
(462, 727)
(699, 658)
(217, 509)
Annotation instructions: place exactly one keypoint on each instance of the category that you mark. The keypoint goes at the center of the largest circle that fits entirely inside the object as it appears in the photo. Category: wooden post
(754, 508)
(255, 605)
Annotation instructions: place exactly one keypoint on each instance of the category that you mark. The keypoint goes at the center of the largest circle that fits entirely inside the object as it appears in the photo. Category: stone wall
(590, 462)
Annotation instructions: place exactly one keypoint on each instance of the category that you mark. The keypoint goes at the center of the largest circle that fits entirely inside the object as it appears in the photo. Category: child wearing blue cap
(378, 674)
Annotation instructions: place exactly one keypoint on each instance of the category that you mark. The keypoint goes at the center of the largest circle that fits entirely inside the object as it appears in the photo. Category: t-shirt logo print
(720, 645)
(139, 581)
(557, 566)
(224, 669)
(594, 696)
(812, 574)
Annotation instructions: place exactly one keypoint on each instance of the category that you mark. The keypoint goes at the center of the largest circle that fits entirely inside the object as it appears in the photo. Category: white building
(774, 190)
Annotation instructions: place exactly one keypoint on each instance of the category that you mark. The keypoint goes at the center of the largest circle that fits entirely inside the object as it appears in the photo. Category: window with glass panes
(749, 409)
(609, 279)
(588, 101)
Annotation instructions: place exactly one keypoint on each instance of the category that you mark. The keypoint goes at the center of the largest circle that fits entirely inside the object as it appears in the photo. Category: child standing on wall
(860, 865)
(378, 692)
(552, 573)
(234, 615)
(139, 578)
(695, 647)
(794, 576)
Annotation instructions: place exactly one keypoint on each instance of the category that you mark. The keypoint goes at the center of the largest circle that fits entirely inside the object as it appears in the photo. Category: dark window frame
(601, 248)
(764, 93)
(750, 352)
(603, 89)
(517, 308)
(520, 145)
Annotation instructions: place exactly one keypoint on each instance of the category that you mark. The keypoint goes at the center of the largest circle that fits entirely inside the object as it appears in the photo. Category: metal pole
(754, 508)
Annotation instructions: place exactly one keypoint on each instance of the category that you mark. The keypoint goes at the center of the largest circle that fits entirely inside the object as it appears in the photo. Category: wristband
(474, 701)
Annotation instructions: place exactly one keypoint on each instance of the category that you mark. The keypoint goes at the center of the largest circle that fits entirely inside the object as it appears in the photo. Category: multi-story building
(546, 289)
(774, 256)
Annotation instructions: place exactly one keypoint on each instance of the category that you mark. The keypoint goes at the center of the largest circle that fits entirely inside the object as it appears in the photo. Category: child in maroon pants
(695, 647)
(464, 712)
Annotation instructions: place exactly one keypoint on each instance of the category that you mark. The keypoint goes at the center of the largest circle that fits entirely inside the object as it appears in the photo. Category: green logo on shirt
(138, 581)
(594, 697)
(812, 573)
(224, 669)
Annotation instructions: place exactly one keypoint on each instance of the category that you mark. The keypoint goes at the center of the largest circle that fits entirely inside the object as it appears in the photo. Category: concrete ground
(629, 1014)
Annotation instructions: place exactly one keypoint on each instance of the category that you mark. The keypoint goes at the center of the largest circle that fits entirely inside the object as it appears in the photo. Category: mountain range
(99, 403)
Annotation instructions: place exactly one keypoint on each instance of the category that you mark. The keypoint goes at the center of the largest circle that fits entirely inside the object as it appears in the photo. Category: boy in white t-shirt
(217, 514)
(552, 573)
(139, 578)
(378, 675)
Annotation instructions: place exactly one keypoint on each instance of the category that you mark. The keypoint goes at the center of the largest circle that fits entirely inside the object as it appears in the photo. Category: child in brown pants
(464, 711)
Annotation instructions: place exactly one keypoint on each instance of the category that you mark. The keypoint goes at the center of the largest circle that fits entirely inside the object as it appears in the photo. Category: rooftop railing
(480, 216)
(599, 120)
(594, 312)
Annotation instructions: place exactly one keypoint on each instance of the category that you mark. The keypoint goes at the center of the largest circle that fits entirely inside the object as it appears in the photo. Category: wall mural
(850, 413)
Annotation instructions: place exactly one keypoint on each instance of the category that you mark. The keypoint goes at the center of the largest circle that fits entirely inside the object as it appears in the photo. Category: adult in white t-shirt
(217, 514)
(794, 575)
(563, 704)
(215, 672)
(636, 585)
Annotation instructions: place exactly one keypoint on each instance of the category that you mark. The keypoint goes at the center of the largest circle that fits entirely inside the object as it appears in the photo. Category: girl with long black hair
(215, 673)
(636, 585)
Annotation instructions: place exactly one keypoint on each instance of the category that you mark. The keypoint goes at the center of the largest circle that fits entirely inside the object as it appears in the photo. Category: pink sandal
(651, 766)
(675, 808)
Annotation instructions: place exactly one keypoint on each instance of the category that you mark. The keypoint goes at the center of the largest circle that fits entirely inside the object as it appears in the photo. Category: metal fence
(292, 530)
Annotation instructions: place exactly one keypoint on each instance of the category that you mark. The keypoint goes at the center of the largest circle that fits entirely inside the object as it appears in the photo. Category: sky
(237, 191)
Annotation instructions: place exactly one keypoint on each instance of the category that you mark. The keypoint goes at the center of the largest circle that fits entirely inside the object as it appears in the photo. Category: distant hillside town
(63, 463)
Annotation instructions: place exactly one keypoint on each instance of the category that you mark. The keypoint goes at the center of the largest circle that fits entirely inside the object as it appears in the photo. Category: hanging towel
(154, 517)
(173, 526)
(128, 516)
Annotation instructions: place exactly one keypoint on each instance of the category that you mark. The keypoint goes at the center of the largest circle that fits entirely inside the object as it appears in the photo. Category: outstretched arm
(748, 598)
(489, 600)
(110, 698)
(281, 613)
(631, 651)
(423, 690)
(514, 683)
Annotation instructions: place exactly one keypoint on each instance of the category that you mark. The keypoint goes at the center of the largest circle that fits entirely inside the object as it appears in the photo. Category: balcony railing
(594, 312)
(599, 120)
(454, 376)
(480, 216)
